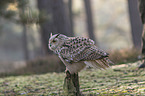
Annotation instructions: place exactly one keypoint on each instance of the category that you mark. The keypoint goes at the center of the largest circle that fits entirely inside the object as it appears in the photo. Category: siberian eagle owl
(77, 52)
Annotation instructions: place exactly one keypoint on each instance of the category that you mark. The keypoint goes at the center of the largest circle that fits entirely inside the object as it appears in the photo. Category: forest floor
(119, 80)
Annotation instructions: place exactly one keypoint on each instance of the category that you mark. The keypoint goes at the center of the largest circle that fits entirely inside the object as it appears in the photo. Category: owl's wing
(81, 49)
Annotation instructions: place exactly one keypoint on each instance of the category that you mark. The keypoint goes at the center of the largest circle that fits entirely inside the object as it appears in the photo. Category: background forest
(28, 67)
(26, 26)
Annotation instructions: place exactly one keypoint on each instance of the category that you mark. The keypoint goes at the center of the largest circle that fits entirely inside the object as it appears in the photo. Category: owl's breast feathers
(80, 49)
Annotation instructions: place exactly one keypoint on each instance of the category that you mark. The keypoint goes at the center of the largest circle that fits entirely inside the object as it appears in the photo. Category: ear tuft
(57, 35)
(50, 34)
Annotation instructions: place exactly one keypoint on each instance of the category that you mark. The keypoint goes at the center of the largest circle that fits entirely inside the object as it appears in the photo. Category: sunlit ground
(118, 80)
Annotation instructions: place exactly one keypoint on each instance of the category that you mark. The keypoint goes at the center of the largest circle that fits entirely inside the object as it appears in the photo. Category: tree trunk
(89, 16)
(24, 42)
(136, 24)
(24, 35)
(58, 21)
(46, 26)
(71, 85)
(61, 21)
(142, 14)
(70, 4)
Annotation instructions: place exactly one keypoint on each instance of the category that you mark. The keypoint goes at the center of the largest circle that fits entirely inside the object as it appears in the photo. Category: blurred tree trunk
(58, 21)
(60, 17)
(24, 33)
(25, 43)
(142, 15)
(70, 4)
(89, 16)
(46, 26)
(136, 25)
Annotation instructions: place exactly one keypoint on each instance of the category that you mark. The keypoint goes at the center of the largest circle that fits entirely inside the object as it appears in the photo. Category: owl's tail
(100, 63)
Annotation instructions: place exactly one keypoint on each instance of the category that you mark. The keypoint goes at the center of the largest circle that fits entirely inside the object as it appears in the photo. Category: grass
(119, 80)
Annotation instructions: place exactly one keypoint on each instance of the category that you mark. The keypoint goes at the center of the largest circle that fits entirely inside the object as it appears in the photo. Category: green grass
(116, 81)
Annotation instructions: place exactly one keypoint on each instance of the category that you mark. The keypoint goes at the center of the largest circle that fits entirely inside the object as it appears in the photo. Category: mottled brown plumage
(77, 52)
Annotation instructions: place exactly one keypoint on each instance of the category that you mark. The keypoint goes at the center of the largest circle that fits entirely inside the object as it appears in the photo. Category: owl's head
(56, 41)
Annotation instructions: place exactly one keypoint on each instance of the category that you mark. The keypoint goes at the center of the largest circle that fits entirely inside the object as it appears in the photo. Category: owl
(78, 52)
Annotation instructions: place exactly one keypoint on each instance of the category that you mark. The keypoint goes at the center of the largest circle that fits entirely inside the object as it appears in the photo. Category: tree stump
(71, 85)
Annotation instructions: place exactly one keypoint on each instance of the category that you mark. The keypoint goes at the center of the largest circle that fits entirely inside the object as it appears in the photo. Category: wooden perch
(71, 85)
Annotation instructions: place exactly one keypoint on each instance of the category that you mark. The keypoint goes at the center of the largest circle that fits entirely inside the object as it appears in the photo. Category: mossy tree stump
(71, 85)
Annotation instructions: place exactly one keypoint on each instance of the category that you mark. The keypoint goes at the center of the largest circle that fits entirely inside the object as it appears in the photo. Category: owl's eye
(54, 41)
